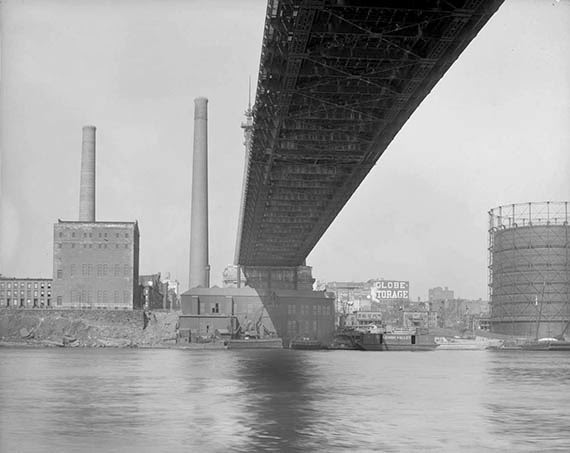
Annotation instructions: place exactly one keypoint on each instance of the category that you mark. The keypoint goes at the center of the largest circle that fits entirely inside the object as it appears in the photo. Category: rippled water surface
(281, 400)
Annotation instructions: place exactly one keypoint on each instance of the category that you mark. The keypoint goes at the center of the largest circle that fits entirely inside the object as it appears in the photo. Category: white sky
(494, 131)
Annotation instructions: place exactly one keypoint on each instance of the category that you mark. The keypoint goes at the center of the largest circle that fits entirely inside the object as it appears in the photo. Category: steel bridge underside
(337, 81)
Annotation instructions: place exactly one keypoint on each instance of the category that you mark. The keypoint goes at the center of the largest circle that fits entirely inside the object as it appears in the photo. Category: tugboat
(306, 343)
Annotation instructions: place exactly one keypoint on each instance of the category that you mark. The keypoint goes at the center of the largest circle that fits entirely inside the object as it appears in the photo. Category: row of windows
(302, 327)
(305, 310)
(102, 245)
(24, 285)
(24, 303)
(90, 235)
(23, 293)
(99, 297)
(97, 270)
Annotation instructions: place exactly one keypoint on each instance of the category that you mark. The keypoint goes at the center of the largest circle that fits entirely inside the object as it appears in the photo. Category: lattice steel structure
(529, 269)
(337, 81)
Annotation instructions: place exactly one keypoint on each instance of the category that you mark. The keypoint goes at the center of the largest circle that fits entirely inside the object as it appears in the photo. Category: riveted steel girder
(337, 81)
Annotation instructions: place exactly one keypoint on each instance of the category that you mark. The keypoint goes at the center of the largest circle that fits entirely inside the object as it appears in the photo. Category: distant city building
(438, 293)
(96, 265)
(459, 312)
(25, 292)
(350, 296)
(151, 292)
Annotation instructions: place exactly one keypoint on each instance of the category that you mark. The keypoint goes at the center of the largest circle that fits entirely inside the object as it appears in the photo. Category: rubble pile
(88, 328)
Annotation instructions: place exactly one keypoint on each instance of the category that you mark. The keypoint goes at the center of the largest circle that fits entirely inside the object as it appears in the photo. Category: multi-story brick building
(25, 292)
(96, 265)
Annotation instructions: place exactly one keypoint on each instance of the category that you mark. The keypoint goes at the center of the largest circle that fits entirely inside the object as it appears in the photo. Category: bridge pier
(269, 277)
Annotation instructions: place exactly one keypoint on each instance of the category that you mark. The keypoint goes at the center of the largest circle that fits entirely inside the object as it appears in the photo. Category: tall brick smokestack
(87, 184)
(199, 267)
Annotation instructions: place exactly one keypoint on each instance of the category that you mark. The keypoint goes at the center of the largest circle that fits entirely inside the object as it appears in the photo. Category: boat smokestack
(199, 266)
(87, 183)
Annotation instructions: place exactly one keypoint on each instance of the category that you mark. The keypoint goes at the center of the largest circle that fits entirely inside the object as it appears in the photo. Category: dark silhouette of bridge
(337, 81)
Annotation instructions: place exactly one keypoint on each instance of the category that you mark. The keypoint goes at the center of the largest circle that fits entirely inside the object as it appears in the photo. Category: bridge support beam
(269, 277)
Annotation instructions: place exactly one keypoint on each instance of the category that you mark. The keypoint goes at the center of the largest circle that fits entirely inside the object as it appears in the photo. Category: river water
(59, 400)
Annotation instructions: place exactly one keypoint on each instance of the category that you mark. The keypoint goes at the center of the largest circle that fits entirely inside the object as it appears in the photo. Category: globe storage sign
(391, 290)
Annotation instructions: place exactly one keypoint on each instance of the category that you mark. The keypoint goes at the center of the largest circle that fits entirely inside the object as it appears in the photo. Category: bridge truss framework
(337, 81)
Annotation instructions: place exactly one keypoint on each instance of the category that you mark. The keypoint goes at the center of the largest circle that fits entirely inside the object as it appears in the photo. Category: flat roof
(97, 222)
(2, 277)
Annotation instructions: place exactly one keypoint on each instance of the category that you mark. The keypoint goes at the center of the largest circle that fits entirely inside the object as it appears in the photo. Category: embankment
(93, 328)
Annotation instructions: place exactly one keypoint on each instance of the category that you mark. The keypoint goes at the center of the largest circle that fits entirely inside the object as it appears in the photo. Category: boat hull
(269, 343)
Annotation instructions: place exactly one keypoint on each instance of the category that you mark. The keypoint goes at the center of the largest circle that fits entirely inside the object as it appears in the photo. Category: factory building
(529, 269)
(25, 292)
(288, 314)
(95, 264)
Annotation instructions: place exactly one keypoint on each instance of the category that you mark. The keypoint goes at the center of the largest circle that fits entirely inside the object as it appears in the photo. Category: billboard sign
(386, 290)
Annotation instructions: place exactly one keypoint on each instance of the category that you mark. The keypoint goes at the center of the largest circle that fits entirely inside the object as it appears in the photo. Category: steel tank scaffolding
(528, 269)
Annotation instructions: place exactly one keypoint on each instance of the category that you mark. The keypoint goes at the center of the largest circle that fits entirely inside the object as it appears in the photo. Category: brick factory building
(96, 265)
(25, 292)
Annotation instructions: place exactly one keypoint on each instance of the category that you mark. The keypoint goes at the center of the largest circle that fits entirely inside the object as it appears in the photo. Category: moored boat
(255, 343)
(396, 341)
(466, 344)
(306, 343)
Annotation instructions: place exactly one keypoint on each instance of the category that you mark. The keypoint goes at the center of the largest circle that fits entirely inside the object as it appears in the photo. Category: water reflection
(281, 400)
(528, 399)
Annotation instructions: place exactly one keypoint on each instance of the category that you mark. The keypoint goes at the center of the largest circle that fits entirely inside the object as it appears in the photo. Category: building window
(73, 234)
(8, 285)
(126, 270)
(105, 268)
(117, 235)
(126, 235)
(99, 234)
(90, 235)
(1, 284)
(116, 297)
(29, 285)
(105, 235)
(90, 269)
(84, 270)
(72, 245)
(126, 246)
(116, 246)
(35, 285)
(99, 297)
(59, 273)
(84, 235)
(59, 300)
(49, 285)
(59, 245)
(125, 297)
(117, 270)
(60, 234)
(99, 270)
(72, 270)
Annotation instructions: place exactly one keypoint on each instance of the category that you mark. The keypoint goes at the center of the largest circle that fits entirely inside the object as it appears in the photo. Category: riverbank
(87, 328)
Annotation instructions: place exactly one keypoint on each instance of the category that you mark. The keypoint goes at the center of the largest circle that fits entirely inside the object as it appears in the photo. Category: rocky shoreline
(87, 328)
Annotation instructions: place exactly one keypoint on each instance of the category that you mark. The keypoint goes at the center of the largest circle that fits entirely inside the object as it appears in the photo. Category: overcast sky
(494, 131)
